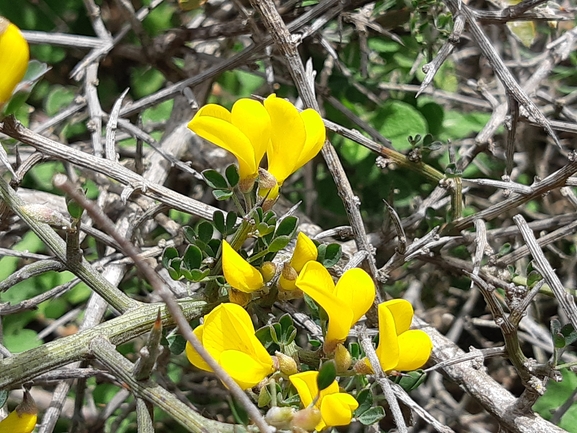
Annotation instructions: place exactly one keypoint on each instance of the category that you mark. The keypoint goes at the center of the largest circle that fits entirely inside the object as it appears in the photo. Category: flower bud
(363, 366)
(268, 271)
(343, 358)
(280, 417)
(288, 277)
(238, 297)
(307, 418)
(266, 180)
(286, 364)
(245, 185)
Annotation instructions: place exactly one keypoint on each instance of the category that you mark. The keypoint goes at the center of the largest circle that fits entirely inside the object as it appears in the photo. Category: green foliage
(557, 394)
(327, 375)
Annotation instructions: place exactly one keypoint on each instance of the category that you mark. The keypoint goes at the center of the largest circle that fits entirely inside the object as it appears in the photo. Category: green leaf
(398, 120)
(286, 322)
(569, 333)
(555, 326)
(329, 255)
(365, 400)
(232, 175)
(221, 194)
(372, 416)
(176, 343)
(327, 374)
(167, 256)
(287, 226)
(192, 258)
(264, 397)
(559, 341)
(239, 412)
(264, 335)
(355, 349)
(278, 244)
(33, 74)
(218, 220)
(533, 278)
(197, 275)
(556, 395)
(412, 380)
(205, 231)
(214, 179)
(21, 340)
(231, 218)
(264, 229)
(189, 234)
(275, 332)
(58, 98)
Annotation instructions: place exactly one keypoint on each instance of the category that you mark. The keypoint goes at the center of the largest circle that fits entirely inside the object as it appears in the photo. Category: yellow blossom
(14, 56)
(336, 407)
(344, 303)
(296, 138)
(244, 131)
(228, 335)
(400, 348)
(239, 273)
(23, 418)
(305, 251)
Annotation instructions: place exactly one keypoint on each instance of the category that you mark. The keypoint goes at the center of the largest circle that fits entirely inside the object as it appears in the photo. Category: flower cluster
(288, 137)
(14, 55)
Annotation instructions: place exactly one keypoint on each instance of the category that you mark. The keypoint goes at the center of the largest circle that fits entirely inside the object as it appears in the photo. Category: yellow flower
(400, 348)
(228, 335)
(296, 138)
(336, 407)
(14, 56)
(239, 273)
(23, 418)
(305, 251)
(245, 132)
(344, 303)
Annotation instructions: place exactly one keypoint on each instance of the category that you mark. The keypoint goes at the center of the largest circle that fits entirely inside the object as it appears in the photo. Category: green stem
(81, 268)
(25, 366)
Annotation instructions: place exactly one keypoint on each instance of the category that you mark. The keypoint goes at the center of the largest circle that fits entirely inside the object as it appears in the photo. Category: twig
(167, 296)
(383, 381)
(566, 301)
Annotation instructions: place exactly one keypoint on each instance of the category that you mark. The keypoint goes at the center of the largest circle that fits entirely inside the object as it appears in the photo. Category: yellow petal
(227, 136)
(14, 56)
(316, 135)
(357, 290)
(288, 137)
(306, 385)
(402, 312)
(253, 120)
(216, 111)
(388, 348)
(316, 282)
(238, 272)
(193, 356)
(337, 409)
(228, 327)
(245, 370)
(415, 348)
(305, 251)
